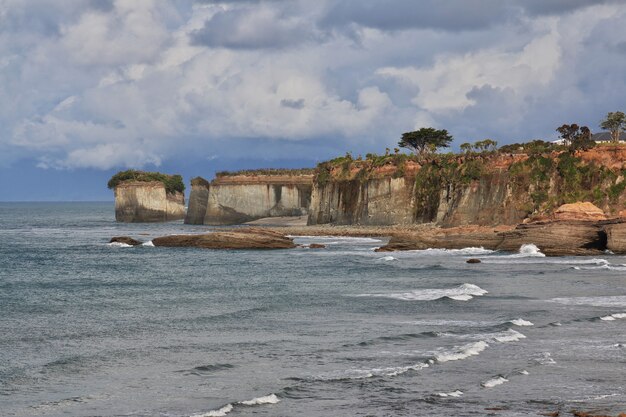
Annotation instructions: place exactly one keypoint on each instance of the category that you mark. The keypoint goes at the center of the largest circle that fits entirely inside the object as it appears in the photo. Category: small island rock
(248, 238)
(125, 239)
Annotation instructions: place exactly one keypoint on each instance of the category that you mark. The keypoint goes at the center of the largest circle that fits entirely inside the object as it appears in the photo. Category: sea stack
(240, 197)
(147, 197)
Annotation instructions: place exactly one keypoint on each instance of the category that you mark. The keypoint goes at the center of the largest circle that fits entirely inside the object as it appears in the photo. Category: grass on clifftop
(173, 183)
(267, 171)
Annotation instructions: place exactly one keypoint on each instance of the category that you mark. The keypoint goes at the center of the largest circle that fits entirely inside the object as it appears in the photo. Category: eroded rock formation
(237, 199)
(248, 238)
(140, 201)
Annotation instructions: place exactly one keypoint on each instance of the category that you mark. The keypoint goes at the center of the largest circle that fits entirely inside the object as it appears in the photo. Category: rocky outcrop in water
(125, 240)
(248, 238)
(562, 234)
(236, 199)
(141, 201)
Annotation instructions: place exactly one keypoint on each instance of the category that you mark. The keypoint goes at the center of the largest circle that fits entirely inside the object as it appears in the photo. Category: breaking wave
(221, 412)
(606, 301)
(463, 292)
(370, 373)
(119, 245)
(521, 322)
(454, 394)
(462, 352)
(148, 243)
(494, 382)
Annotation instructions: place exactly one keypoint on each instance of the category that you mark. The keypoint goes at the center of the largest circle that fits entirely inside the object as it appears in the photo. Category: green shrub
(172, 183)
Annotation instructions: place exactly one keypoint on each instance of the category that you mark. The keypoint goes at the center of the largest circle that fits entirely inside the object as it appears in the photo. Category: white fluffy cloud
(133, 83)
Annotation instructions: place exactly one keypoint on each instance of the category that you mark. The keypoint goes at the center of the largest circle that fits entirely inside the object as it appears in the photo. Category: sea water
(92, 329)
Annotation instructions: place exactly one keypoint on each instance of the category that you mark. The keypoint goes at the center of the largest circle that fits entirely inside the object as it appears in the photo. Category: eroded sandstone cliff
(235, 199)
(141, 201)
(486, 189)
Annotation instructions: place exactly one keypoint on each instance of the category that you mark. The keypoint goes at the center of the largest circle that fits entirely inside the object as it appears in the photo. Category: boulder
(579, 211)
(473, 261)
(248, 238)
(125, 239)
(316, 246)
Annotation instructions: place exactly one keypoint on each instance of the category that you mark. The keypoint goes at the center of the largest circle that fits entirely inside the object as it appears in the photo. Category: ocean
(92, 329)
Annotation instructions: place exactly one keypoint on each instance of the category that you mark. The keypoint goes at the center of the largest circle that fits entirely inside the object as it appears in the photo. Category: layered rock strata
(140, 201)
(239, 199)
(248, 238)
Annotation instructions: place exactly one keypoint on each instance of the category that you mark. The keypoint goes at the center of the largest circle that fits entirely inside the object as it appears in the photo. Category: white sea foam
(464, 251)
(216, 413)
(544, 358)
(606, 301)
(613, 317)
(521, 322)
(387, 259)
(148, 243)
(494, 382)
(268, 399)
(462, 352)
(370, 373)
(523, 372)
(508, 336)
(119, 245)
(463, 292)
(529, 250)
(455, 394)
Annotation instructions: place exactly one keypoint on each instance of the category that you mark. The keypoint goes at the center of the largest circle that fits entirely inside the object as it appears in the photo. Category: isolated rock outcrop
(198, 199)
(240, 198)
(126, 240)
(248, 238)
(142, 201)
(558, 237)
(452, 238)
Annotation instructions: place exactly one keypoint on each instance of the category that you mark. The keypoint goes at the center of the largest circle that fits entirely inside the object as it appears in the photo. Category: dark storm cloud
(293, 104)
(252, 28)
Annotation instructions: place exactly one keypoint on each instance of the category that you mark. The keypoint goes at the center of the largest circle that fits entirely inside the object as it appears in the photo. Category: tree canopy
(425, 140)
(576, 137)
(614, 122)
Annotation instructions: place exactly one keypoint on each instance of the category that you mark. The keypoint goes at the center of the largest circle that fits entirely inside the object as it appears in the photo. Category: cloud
(293, 104)
(134, 84)
(259, 27)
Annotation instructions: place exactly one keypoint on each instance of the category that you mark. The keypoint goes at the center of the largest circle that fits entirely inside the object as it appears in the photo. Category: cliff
(141, 201)
(486, 189)
(235, 199)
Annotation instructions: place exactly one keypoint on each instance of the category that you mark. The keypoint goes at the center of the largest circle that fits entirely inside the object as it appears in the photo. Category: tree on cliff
(576, 137)
(614, 122)
(425, 140)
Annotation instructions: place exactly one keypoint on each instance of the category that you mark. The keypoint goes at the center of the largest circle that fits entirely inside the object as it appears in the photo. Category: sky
(91, 87)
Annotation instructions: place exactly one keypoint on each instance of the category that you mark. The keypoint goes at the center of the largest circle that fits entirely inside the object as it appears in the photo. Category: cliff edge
(235, 198)
(147, 197)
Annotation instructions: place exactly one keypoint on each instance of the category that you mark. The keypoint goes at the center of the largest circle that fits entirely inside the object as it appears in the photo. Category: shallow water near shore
(103, 330)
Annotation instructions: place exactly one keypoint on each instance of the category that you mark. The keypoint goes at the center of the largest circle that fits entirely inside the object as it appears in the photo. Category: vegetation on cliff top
(199, 181)
(172, 183)
(267, 171)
